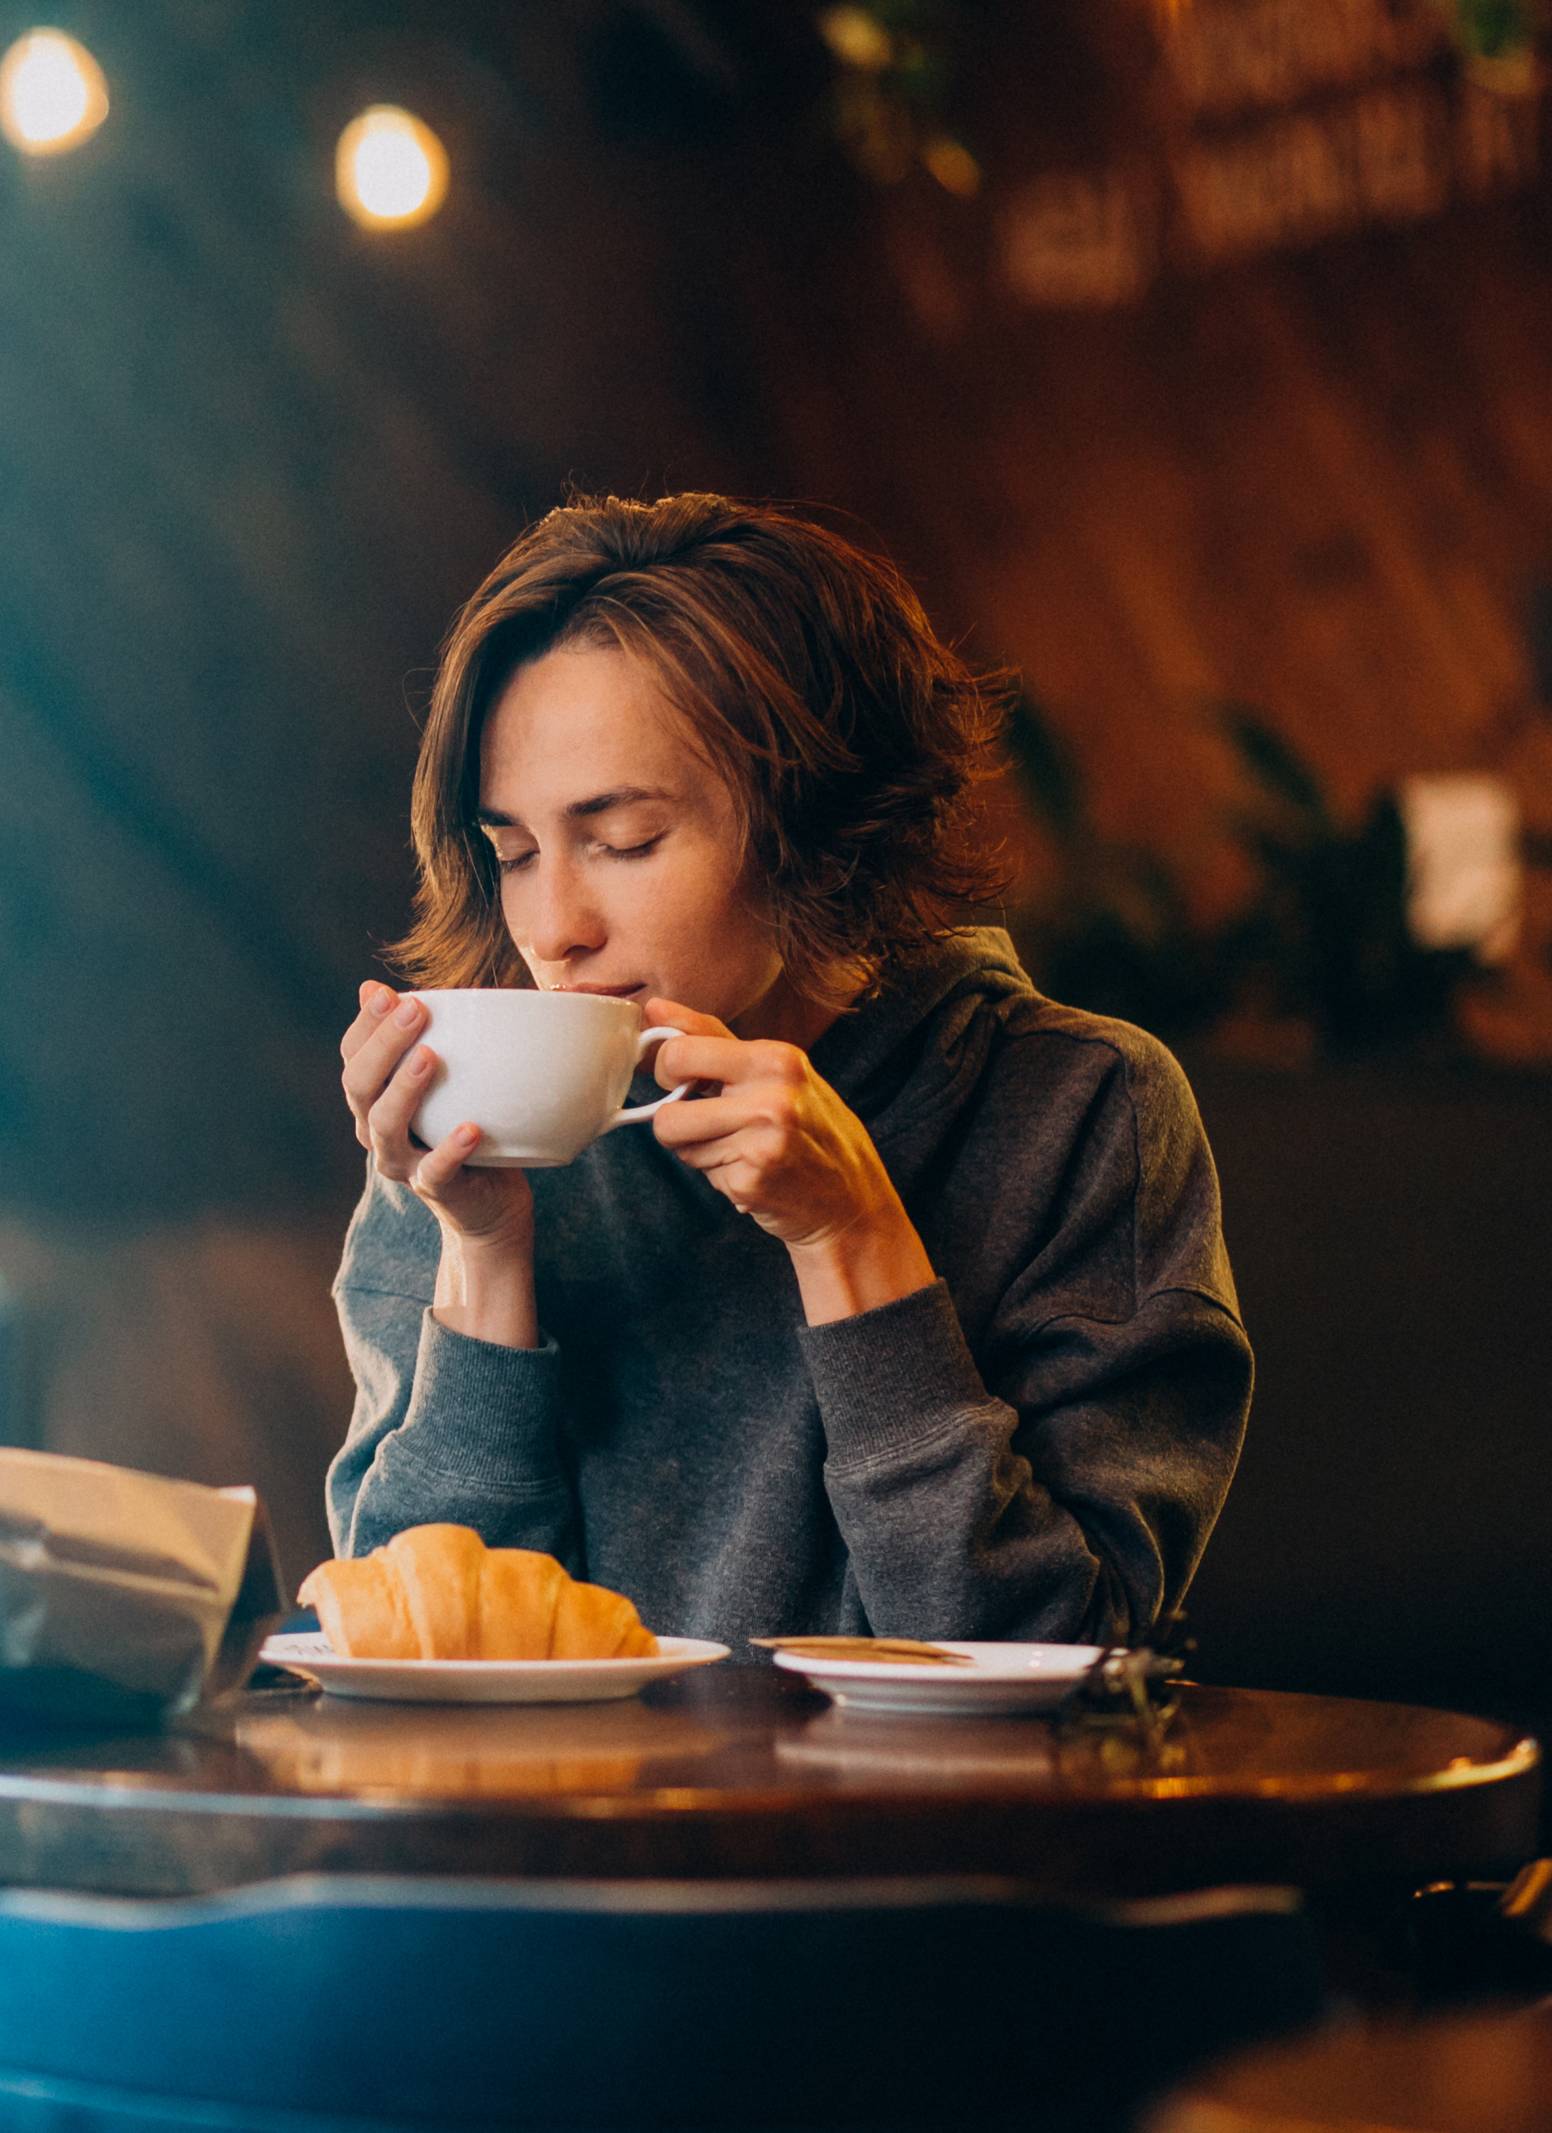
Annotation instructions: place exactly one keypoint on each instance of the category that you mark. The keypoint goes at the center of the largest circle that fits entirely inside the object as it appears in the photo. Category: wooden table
(740, 1771)
(1489, 2071)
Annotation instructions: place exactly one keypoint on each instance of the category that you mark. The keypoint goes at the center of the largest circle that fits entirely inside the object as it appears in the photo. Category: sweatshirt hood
(905, 1048)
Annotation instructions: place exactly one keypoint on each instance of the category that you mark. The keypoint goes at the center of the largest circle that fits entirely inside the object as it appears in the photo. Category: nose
(552, 914)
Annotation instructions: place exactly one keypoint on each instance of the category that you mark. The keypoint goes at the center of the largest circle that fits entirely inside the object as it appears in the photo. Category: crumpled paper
(127, 1597)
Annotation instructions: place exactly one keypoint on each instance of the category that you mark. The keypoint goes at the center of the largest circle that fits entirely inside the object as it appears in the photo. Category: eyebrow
(579, 810)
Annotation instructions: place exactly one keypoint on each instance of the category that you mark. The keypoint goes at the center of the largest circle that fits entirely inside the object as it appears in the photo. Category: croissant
(437, 1592)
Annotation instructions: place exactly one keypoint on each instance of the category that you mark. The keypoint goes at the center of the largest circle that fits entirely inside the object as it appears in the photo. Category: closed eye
(515, 862)
(631, 851)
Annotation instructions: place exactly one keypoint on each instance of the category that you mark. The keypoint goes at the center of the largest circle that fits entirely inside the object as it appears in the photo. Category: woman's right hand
(386, 1074)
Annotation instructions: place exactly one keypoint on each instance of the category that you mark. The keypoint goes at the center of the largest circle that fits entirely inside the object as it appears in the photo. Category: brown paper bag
(124, 1596)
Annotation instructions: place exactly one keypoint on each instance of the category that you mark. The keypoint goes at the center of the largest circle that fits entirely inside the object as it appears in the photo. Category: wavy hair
(806, 671)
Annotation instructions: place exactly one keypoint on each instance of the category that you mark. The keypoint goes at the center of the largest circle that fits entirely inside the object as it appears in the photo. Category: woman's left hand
(778, 1142)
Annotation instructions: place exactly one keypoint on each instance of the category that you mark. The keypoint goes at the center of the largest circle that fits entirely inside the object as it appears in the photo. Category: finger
(689, 1019)
(708, 1157)
(724, 1059)
(374, 1003)
(388, 1120)
(742, 1151)
(368, 1069)
(739, 1182)
(657, 1010)
(709, 1118)
(440, 1165)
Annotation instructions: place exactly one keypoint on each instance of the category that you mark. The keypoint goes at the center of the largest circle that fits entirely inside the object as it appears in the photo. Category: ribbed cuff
(889, 1377)
(484, 1412)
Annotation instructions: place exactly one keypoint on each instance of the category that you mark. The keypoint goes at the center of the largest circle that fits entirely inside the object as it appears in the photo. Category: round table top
(1489, 2071)
(740, 1771)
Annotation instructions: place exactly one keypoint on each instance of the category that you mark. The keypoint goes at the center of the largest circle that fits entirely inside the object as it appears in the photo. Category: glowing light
(857, 38)
(1465, 876)
(954, 167)
(52, 93)
(390, 170)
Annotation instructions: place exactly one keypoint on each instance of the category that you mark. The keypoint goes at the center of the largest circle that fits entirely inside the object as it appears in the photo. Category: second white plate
(1005, 1677)
(485, 1680)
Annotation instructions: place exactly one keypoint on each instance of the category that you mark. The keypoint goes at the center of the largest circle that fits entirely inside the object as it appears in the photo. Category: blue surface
(375, 2002)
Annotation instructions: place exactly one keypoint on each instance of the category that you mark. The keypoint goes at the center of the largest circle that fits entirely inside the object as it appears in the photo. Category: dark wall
(1387, 1534)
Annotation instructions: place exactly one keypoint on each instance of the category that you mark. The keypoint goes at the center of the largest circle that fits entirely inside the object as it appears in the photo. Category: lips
(609, 992)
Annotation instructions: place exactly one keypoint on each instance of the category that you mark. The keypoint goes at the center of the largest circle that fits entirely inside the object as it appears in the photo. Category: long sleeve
(1073, 1507)
(443, 1427)
(1062, 1481)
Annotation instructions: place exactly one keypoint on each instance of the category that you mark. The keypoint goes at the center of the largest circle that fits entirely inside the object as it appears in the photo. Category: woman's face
(618, 845)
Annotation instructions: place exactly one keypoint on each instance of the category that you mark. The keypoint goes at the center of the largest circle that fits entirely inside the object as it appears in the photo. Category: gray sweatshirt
(1036, 1446)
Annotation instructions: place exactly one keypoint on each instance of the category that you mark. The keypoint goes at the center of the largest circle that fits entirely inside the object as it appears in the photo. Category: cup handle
(633, 1116)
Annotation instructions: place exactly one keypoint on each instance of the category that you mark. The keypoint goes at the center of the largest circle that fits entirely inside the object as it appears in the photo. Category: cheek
(712, 902)
(735, 942)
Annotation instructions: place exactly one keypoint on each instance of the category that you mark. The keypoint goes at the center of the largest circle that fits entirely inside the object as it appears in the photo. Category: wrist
(860, 1268)
(485, 1289)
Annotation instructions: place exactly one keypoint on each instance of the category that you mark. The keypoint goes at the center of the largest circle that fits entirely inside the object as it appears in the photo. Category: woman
(919, 1321)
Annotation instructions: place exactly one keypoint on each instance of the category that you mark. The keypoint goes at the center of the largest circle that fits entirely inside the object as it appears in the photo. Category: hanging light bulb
(390, 170)
(52, 93)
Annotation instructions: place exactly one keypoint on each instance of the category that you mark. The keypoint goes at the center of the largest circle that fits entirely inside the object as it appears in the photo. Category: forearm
(445, 1426)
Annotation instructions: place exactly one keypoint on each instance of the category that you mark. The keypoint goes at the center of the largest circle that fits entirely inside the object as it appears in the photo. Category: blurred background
(1194, 356)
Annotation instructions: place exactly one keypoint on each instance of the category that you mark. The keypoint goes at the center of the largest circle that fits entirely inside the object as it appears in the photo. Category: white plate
(1005, 1677)
(485, 1680)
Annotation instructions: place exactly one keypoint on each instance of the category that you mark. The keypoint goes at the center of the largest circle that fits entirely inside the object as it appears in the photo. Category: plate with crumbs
(999, 1678)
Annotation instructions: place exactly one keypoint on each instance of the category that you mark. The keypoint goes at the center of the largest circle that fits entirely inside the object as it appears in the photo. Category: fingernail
(420, 1059)
(408, 1014)
(466, 1136)
(380, 1002)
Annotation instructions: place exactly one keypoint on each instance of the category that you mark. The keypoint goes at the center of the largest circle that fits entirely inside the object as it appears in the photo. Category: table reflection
(333, 1745)
(877, 1750)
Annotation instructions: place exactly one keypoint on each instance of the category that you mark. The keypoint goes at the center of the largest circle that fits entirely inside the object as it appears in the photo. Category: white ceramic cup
(540, 1073)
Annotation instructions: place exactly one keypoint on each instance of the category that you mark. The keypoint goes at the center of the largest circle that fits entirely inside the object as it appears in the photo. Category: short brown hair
(807, 671)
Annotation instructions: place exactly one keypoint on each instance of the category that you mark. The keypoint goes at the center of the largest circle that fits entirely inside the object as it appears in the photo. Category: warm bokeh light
(390, 170)
(52, 93)
(954, 167)
(857, 38)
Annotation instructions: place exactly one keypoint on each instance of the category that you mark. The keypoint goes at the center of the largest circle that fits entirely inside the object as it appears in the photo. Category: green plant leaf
(1047, 771)
(1276, 766)
(1493, 29)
